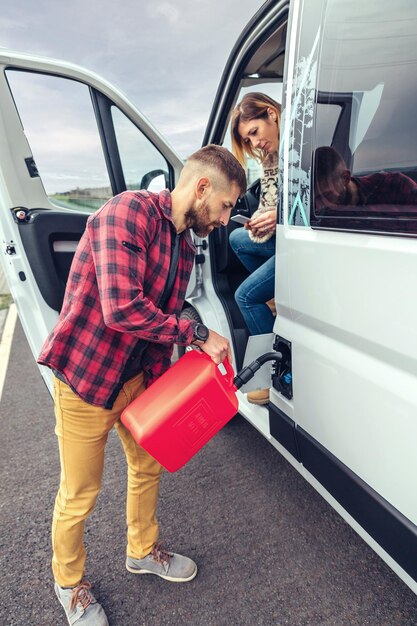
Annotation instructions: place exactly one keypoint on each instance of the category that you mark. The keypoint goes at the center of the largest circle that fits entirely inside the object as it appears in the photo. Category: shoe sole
(259, 402)
(169, 578)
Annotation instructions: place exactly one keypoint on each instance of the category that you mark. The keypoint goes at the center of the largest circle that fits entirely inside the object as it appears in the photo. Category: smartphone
(240, 219)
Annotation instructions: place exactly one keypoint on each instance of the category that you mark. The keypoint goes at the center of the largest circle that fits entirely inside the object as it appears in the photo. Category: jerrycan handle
(230, 374)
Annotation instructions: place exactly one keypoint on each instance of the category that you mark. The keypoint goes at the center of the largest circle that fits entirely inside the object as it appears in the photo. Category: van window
(71, 164)
(365, 131)
(143, 165)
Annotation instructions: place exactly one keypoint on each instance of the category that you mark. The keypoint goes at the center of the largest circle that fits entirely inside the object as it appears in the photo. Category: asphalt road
(270, 550)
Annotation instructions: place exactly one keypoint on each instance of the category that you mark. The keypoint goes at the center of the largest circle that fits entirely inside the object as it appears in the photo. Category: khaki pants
(82, 430)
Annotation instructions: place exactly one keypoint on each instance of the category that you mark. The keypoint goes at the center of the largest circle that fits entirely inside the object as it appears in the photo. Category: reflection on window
(143, 165)
(365, 158)
(61, 129)
(384, 193)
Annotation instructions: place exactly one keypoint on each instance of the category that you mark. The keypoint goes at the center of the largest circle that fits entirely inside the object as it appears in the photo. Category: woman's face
(261, 133)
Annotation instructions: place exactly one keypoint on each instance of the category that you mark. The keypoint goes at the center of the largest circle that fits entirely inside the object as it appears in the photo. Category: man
(335, 187)
(114, 337)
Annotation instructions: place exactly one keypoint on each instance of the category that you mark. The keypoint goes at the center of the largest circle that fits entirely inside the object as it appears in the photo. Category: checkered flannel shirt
(117, 276)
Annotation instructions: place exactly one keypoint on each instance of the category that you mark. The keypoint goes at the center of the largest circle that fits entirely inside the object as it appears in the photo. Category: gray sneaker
(167, 565)
(80, 606)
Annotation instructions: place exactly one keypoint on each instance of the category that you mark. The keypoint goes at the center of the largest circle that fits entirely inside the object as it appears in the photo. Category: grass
(5, 301)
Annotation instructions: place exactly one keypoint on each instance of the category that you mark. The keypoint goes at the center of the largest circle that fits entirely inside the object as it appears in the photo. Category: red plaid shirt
(386, 188)
(118, 273)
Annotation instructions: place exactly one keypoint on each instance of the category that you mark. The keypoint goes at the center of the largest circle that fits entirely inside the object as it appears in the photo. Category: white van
(343, 402)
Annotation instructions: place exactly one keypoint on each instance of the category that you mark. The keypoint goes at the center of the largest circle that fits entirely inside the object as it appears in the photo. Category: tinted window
(366, 117)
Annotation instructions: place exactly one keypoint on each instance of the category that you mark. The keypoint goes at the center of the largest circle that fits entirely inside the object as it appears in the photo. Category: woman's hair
(253, 105)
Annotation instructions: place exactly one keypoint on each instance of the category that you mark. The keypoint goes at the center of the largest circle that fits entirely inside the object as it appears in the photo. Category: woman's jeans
(258, 288)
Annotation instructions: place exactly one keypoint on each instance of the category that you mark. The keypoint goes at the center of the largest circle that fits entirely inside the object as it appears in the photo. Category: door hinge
(10, 249)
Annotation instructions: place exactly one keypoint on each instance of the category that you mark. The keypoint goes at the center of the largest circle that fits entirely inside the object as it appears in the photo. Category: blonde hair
(253, 105)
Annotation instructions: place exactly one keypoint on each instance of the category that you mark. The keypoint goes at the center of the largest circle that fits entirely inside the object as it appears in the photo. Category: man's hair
(326, 162)
(221, 161)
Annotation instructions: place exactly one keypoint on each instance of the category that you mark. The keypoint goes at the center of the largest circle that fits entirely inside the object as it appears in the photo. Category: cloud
(175, 128)
(11, 31)
(166, 56)
(165, 10)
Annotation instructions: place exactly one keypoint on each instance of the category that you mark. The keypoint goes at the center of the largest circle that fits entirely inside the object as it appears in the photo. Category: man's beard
(199, 220)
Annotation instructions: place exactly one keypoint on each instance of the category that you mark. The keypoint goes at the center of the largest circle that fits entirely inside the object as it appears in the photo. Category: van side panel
(344, 293)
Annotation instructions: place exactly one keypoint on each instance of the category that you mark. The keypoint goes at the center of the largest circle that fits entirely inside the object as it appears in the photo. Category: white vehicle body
(346, 307)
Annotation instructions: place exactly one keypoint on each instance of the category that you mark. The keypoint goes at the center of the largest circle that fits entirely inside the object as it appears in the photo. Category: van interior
(263, 72)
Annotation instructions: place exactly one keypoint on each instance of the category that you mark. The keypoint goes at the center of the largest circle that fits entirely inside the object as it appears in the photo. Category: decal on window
(302, 115)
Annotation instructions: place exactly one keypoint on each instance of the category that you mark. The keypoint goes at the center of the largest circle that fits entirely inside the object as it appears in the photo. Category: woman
(255, 131)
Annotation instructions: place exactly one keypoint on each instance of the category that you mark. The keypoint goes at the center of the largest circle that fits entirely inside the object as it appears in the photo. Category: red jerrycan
(183, 409)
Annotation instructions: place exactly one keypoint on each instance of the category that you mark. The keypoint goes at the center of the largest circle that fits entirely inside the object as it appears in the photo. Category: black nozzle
(248, 372)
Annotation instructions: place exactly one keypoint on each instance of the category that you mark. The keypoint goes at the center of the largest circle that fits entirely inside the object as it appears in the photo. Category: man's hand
(216, 346)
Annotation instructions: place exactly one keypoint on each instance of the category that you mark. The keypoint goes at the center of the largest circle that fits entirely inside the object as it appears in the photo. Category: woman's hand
(262, 222)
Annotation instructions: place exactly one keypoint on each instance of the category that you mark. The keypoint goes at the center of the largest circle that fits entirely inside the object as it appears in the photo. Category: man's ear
(202, 186)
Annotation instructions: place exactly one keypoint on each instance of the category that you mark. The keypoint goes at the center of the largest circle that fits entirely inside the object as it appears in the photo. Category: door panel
(50, 239)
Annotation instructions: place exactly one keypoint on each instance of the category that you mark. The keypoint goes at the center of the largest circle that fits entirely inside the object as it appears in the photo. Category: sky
(167, 56)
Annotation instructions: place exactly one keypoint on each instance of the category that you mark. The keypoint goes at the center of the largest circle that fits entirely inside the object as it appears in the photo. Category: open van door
(69, 141)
